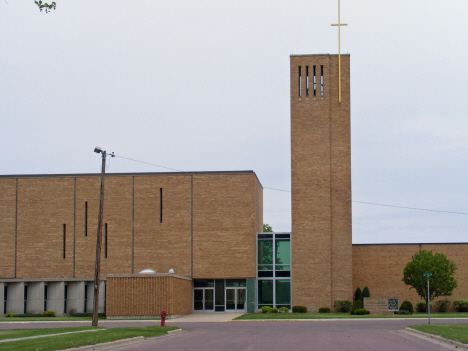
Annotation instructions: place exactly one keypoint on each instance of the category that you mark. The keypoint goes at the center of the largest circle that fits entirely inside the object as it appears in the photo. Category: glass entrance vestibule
(219, 295)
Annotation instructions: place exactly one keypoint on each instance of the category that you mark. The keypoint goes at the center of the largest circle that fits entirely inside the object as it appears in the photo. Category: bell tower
(321, 180)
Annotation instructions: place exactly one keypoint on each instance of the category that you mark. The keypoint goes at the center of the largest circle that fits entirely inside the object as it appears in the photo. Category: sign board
(381, 304)
(425, 275)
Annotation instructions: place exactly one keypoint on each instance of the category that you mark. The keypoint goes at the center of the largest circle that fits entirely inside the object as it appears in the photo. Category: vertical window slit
(321, 81)
(300, 82)
(25, 307)
(5, 298)
(160, 205)
(65, 297)
(307, 81)
(315, 81)
(45, 297)
(85, 299)
(105, 240)
(64, 239)
(86, 219)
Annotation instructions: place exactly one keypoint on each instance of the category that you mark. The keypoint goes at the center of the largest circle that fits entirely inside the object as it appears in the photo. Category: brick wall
(380, 267)
(321, 183)
(146, 295)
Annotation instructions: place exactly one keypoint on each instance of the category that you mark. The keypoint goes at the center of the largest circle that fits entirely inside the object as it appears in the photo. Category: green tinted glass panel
(283, 292)
(282, 267)
(283, 250)
(265, 267)
(265, 292)
(265, 252)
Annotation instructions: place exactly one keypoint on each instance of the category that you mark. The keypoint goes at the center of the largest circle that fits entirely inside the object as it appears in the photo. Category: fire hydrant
(163, 318)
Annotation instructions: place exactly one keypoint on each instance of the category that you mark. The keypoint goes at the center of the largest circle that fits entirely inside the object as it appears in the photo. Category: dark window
(85, 219)
(45, 297)
(25, 307)
(203, 283)
(64, 239)
(5, 298)
(315, 81)
(105, 240)
(307, 81)
(300, 81)
(160, 205)
(85, 299)
(265, 236)
(65, 299)
(321, 80)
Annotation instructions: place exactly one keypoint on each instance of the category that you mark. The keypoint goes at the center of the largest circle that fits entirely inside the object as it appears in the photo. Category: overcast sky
(204, 86)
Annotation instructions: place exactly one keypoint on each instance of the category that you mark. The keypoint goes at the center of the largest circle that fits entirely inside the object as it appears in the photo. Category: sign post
(427, 275)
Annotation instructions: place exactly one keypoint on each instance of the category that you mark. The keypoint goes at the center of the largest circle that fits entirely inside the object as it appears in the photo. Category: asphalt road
(314, 335)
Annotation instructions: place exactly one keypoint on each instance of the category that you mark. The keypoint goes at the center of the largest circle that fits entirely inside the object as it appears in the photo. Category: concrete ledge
(422, 335)
(108, 345)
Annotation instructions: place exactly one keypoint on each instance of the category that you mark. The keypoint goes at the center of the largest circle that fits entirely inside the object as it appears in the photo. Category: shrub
(299, 309)
(357, 294)
(324, 310)
(403, 312)
(356, 305)
(406, 306)
(8, 315)
(361, 311)
(284, 309)
(461, 305)
(442, 305)
(342, 305)
(421, 306)
(274, 310)
(22, 315)
(365, 293)
(87, 314)
(48, 314)
(72, 311)
(266, 309)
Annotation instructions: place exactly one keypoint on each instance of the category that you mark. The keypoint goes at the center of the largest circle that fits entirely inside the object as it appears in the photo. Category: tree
(267, 228)
(357, 294)
(365, 293)
(442, 282)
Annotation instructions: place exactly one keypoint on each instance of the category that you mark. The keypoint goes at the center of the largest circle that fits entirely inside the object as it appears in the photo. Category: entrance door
(235, 299)
(203, 300)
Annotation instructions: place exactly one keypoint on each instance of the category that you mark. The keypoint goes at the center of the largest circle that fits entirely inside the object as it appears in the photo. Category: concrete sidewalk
(205, 317)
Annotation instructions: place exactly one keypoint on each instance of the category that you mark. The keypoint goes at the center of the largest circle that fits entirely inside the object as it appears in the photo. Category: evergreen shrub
(421, 306)
(342, 305)
(284, 309)
(357, 294)
(356, 305)
(361, 311)
(461, 305)
(365, 293)
(266, 309)
(8, 315)
(23, 315)
(324, 310)
(48, 314)
(299, 309)
(406, 306)
(442, 305)
(274, 310)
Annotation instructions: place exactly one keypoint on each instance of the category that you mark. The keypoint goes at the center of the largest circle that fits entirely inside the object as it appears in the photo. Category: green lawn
(262, 316)
(60, 342)
(457, 332)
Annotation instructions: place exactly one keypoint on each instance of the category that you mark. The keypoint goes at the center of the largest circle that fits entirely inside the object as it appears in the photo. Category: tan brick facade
(380, 267)
(207, 230)
(321, 182)
(147, 295)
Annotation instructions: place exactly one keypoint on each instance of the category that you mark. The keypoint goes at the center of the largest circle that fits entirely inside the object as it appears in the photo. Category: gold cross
(339, 52)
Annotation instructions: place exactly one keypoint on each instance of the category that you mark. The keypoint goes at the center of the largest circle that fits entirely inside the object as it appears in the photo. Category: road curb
(424, 335)
(122, 342)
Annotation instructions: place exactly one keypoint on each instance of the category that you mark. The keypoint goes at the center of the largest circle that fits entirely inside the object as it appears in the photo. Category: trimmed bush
(361, 311)
(284, 309)
(442, 305)
(406, 306)
(324, 310)
(87, 314)
(342, 305)
(266, 309)
(356, 305)
(357, 294)
(299, 309)
(8, 315)
(461, 305)
(48, 314)
(421, 306)
(23, 315)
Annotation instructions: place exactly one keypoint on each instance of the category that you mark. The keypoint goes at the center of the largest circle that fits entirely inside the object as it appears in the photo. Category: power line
(288, 191)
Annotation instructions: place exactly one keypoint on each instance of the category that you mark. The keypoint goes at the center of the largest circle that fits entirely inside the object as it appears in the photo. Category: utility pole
(97, 266)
